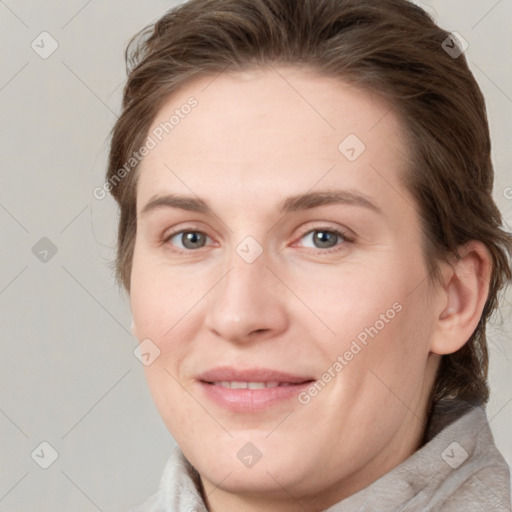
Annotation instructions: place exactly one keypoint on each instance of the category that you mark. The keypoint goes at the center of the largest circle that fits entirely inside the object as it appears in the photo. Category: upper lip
(229, 374)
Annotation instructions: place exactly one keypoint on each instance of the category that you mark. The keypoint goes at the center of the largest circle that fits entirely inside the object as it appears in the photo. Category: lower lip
(251, 400)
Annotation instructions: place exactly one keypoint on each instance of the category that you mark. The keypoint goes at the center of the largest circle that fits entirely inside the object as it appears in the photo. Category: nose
(247, 304)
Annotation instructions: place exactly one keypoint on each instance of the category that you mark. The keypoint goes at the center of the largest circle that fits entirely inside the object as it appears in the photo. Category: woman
(311, 250)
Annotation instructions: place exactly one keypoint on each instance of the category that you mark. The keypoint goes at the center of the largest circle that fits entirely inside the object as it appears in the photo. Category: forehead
(272, 128)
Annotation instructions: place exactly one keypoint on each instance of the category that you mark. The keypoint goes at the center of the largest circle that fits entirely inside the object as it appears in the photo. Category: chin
(268, 474)
(263, 481)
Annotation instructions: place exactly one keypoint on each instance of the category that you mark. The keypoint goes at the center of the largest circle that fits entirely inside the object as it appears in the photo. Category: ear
(462, 297)
(133, 328)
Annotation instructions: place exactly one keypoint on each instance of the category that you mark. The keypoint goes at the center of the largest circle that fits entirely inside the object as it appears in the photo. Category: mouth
(250, 385)
(251, 390)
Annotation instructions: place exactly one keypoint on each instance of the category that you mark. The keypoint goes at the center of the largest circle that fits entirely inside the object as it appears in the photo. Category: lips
(255, 375)
(237, 384)
(252, 390)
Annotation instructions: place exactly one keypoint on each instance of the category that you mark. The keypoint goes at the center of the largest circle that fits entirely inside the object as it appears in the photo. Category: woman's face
(278, 272)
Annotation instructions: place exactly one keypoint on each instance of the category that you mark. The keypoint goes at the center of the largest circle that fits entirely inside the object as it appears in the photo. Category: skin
(251, 141)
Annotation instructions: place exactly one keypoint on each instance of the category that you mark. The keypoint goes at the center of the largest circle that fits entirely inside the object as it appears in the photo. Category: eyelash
(323, 229)
(326, 229)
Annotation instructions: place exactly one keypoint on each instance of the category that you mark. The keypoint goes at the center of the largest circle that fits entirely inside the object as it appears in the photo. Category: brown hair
(389, 47)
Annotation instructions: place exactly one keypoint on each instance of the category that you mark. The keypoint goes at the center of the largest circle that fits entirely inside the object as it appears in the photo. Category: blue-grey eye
(323, 238)
(189, 239)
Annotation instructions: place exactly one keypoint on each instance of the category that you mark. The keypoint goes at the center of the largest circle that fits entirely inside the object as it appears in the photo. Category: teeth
(256, 385)
(239, 385)
(250, 385)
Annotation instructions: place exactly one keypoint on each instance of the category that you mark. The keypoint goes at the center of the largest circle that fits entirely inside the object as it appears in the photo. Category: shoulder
(179, 489)
(469, 472)
(154, 503)
(486, 490)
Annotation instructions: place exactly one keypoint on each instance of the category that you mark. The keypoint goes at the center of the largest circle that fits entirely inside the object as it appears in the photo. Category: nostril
(258, 331)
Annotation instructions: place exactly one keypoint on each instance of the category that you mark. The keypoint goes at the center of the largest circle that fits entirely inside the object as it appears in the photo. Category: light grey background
(68, 375)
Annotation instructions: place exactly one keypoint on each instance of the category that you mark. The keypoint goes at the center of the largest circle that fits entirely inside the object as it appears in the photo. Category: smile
(252, 390)
(250, 385)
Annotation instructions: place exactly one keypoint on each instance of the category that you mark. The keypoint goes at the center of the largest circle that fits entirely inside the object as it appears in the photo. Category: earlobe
(133, 328)
(464, 294)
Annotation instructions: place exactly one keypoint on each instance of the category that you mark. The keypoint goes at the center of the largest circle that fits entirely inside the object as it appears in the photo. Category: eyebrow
(295, 203)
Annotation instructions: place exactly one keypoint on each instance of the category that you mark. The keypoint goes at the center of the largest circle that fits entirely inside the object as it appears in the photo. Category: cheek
(350, 303)
(381, 319)
(159, 309)
(160, 297)
(397, 349)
